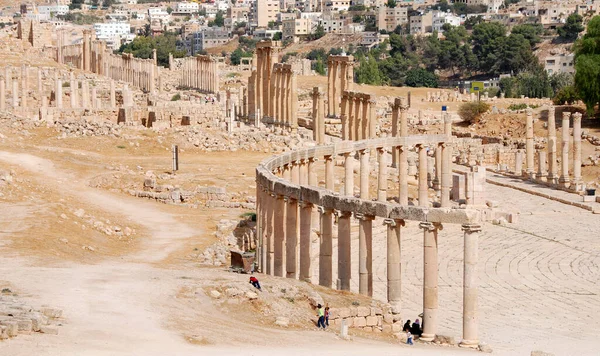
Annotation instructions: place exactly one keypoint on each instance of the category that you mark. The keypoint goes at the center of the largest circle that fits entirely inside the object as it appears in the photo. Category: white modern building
(562, 63)
(53, 10)
(186, 7)
(441, 18)
(113, 33)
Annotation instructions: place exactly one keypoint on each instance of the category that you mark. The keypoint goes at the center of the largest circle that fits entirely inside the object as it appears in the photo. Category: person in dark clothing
(255, 283)
(406, 326)
(416, 328)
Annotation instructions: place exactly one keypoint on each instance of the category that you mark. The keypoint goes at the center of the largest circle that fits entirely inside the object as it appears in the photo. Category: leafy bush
(515, 107)
(471, 112)
(567, 95)
(176, 97)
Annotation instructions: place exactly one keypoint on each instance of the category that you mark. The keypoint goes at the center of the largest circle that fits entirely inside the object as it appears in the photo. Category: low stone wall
(375, 319)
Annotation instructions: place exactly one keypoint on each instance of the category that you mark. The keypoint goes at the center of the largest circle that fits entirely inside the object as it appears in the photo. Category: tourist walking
(327, 316)
(409, 338)
(321, 315)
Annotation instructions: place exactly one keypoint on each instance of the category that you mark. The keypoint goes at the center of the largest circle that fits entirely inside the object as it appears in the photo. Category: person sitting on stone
(406, 326)
(255, 283)
(416, 328)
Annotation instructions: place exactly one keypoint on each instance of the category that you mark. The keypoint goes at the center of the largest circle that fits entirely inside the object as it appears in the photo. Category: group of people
(412, 330)
(323, 314)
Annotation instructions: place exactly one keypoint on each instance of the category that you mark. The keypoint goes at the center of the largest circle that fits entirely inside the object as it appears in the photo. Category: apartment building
(390, 18)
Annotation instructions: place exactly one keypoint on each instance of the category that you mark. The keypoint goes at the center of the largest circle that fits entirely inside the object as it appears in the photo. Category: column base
(472, 344)
(427, 337)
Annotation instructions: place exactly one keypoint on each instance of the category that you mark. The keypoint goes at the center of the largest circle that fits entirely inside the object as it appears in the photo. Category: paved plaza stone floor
(539, 278)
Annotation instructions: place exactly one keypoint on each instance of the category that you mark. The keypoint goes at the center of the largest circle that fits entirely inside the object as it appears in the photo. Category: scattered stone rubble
(18, 318)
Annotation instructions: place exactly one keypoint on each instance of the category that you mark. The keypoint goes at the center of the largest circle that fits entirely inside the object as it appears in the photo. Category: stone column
(470, 320)
(305, 245)
(15, 94)
(552, 164)
(365, 255)
(330, 88)
(372, 119)
(329, 177)
(321, 113)
(2, 96)
(280, 230)
(394, 265)
(564, 174)
(344, 117)
(325, 247)
(291, 238)
(519, 163)
(430, 281)
(334, 96)
(24, 89)
(364, 174)
(40, 84)
(446, 175)
(303, 172)
(270, 242)
(59, 103)
(74, 97)
(530, 150)
(349, 174)
(295, 173)
(395, 128)
(577, 181)
(113, 100)
(344, 251)
(437, 177)
(7, 77)
(382, 176)
(403, 175)
(542, 173)
(312, 174)
(423, 194)
(293, 103)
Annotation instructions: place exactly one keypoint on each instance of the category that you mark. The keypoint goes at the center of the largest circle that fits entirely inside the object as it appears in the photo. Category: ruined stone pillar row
(349, 174)
(446, 184)
(2, 95)
(270, 239)
(382, 177)
(564, 174)
(365, 255)
(15, 94)
(326, 247)
(59, 103)
(394, 265)
(430, 281)
(552, 157)
(329, 176)
(470, 290)
(577, 181)
(530, 150)
(403, 175)
(423, 193)
(305, 243)
(279, 235)
(364, 174)
(344, 251)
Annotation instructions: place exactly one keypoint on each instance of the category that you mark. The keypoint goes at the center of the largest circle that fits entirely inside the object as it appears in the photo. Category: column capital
(566, 115)
(322, 210)
(381, 149)
(328, 158)
(430, 226)
(577, 116)
(471, 228)
(394, 222)
(363, 151)
(360, 216)
(343, 214)
(305, 204)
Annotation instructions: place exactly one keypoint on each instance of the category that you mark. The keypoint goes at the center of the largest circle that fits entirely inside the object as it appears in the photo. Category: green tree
(391, 4)
(277, 36)
(419, 77)
(486, 38)
(169, 10)
(319, 32)
(572, 27)
(471, 112)
(587, 65)
(368, 71)
(142, 46)
(76, 4)
(567, 95)
(531, 32)
(471, 21)
(319, 66)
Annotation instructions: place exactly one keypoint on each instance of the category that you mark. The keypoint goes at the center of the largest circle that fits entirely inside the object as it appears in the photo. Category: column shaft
(325, 248)
(430, 281)
(305, 246)
(423, 194)
(382, 177)
(470, 290)
(291, 238)
(365, 255)
(364, 174)
(349, 174)
(403, 175)
(280, 231)
(394, 265)
(344, 252)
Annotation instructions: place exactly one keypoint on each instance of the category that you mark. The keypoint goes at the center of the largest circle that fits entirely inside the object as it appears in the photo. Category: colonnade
(340, 77)
(283, 103)
(358, 116)
(288, 190)
(137, 72)
(200, 72)
(551, 173)
(259, 83)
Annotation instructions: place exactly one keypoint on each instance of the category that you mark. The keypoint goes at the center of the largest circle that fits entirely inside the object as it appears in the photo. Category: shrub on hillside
(471, 112)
